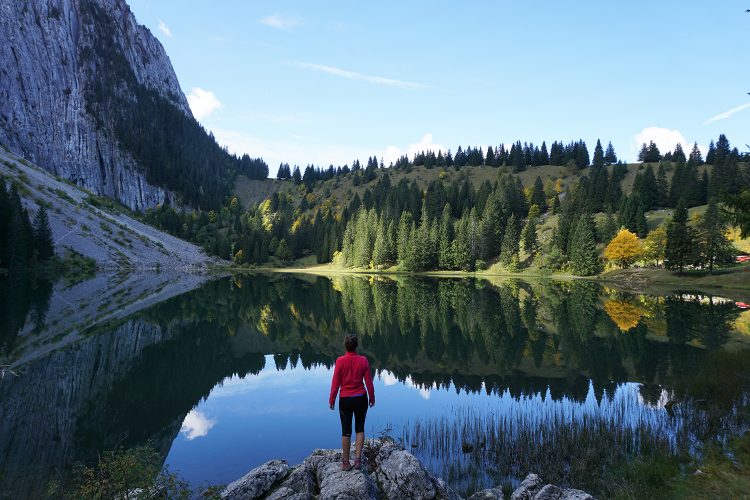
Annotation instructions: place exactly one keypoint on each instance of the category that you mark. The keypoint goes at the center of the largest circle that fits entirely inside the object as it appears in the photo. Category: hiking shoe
(346, 465)
(358, 464)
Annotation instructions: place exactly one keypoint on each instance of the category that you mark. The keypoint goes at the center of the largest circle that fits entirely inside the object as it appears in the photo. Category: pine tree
(653, 155)
(609, 228)
(491, 228)
(662, 187)
(538, 197)
(696, 157)
(282, 252)
(679, 154)
(528, 235)
(643, 153)
(711, 154)
(43, 243)
(445, 239)
(679, 239)
(713, 242)
(462, 244)
(609, 155)
(632, 214)
(509, 249)
(544, 155)
(584, 258)
(403, 236)
(598, 155)
(380, 249)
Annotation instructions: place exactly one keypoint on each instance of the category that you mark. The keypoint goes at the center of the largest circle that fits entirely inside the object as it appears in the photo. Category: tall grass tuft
(566, 442)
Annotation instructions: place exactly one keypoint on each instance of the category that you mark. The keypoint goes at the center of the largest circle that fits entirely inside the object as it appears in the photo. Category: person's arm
(335, 384)
(368, 383)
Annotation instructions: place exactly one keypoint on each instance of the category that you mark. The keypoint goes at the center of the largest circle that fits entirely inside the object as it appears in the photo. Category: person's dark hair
(350, 342)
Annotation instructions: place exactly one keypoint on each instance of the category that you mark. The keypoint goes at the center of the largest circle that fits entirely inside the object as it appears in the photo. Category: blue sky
(327, 82)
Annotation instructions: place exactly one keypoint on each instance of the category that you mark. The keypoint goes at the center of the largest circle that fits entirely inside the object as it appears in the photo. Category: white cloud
(203, 103)
(727, 114)
(390, 379)
(427, 143)
(304, 150)
(353, 75)
(165, 29)
(280, 22)
(292, 149)
(664, 138)
(196, 425)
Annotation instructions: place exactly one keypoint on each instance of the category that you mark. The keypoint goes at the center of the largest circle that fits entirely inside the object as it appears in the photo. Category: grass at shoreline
(735, 279)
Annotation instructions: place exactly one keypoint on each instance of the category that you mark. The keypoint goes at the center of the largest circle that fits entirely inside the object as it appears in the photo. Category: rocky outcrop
(388, 471)
(533, 488)
(49, 58)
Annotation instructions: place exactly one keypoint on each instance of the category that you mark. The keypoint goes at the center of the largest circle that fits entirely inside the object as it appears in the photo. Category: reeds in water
(567, 442)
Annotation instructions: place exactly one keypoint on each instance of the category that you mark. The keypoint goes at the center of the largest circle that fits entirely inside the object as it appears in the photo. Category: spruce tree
(528, 235)
(609, 156)
(403, 236)
(711, 154)
(43, 243)
(598, 155)
(462, 244)
(662, 187)
(380, 249)
(679, 154)
(538, 197)
(679, 239)
(445, 239)
(643, 153)
(609, 228)
(509, 250)
(491, 228)
(584, 258)
(713, 242)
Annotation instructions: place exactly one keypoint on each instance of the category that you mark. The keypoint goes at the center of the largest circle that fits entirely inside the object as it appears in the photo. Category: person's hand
(331, 406)
(372, 403)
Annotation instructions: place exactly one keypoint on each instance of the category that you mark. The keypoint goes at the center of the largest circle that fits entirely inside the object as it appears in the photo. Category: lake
(482, 380)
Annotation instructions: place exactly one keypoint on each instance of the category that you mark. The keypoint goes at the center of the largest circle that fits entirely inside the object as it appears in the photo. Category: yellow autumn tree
(655, 245)
(624, 248)
(625, 315)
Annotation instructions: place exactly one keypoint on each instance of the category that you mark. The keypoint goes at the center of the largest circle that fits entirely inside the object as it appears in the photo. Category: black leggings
(356, 406)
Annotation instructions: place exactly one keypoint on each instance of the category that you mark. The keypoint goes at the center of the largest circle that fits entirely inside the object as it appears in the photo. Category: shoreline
(643, 280)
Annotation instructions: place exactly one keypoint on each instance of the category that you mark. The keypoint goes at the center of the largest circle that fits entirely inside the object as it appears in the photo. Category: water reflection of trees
(24, 297)
(514, 338)
(470, 334)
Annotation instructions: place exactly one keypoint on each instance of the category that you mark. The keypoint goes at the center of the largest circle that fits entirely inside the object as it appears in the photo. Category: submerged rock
(388, 471)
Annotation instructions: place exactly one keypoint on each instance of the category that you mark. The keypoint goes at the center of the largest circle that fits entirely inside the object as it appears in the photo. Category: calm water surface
(480, 380)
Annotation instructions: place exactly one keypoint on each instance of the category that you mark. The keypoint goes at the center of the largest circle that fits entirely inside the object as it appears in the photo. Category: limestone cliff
(53, 57)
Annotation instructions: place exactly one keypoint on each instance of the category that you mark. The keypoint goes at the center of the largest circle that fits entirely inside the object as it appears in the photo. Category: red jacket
(350, 369)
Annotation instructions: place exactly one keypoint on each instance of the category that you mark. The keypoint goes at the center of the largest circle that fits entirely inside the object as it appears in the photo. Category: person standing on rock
(348, 375)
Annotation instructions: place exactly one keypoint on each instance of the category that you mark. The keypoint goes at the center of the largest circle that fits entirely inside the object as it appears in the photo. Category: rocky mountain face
(55, 58)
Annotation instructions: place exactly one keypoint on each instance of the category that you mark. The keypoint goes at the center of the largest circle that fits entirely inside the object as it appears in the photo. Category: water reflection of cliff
(135, 381)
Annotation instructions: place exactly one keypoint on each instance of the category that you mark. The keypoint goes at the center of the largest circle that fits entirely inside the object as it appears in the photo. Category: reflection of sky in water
(284, 414)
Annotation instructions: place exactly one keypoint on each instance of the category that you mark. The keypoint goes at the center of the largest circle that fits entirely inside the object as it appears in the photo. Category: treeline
(174, 149)
(23, 242)
(518, 157)
(453, 225)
